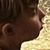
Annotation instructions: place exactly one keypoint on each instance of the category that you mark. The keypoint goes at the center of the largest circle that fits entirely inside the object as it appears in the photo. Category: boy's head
(20, 20)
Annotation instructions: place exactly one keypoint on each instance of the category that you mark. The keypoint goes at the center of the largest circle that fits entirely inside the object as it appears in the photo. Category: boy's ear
(7, 29)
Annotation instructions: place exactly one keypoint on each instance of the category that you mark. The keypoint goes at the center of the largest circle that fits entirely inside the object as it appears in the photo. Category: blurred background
(43, 40)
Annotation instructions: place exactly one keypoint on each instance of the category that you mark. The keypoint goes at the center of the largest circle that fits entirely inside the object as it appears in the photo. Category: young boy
(20, 20)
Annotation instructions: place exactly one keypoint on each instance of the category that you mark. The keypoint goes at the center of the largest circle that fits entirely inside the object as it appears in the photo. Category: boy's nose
(40, 13)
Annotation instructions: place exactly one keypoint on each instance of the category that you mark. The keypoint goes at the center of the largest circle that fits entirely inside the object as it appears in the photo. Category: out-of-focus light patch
(45, 6)
(46, 19)
(48, 10)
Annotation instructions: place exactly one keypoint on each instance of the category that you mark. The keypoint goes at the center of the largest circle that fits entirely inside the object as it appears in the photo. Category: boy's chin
(32, 38)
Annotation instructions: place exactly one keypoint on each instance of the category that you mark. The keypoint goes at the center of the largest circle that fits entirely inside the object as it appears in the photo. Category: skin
(25, 28)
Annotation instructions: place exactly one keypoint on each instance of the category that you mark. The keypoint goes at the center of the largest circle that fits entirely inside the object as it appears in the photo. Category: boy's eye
(35, 11)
